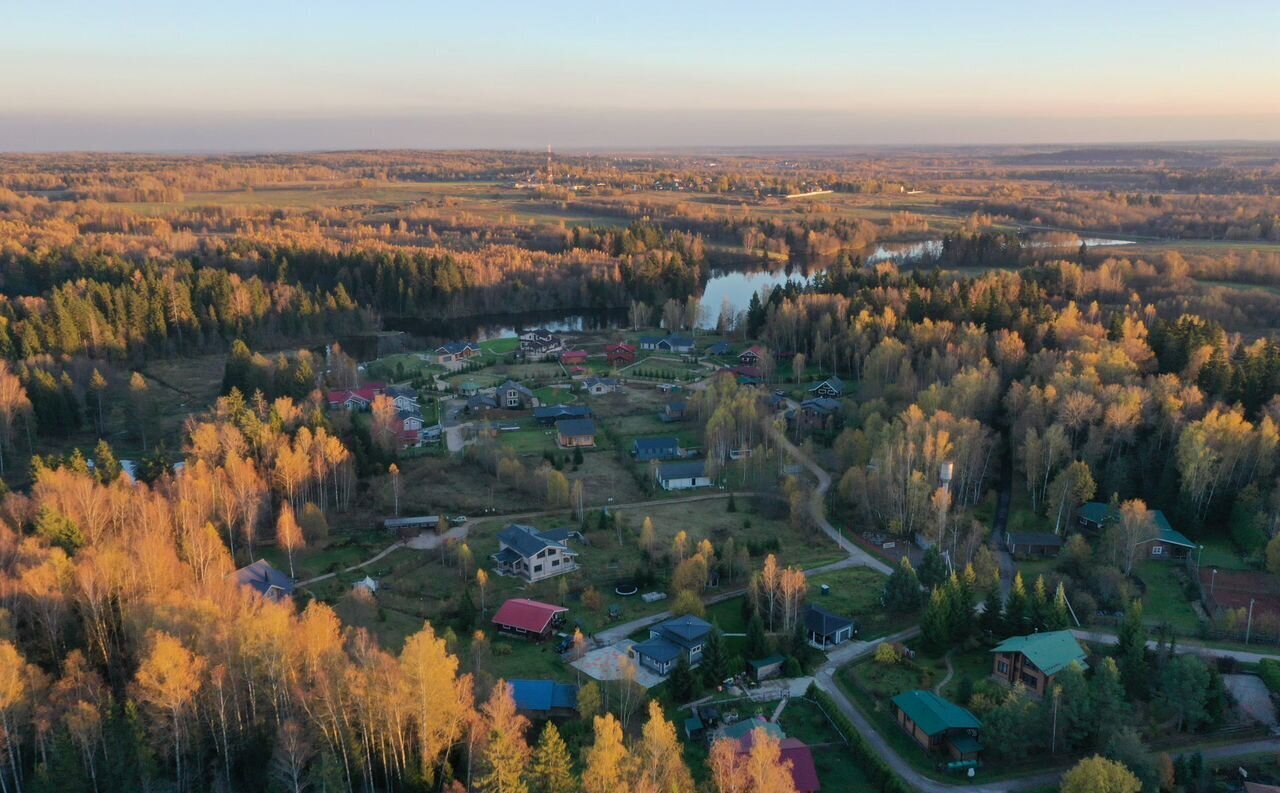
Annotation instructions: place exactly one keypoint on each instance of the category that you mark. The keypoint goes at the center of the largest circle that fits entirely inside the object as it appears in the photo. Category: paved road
(1243, 656)
(817, 507)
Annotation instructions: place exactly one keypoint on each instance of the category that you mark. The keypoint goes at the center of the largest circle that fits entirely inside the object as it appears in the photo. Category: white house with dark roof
(683, 475)
(598, 386)
(683, 636)
(831, 388)
(534, 555)
(513, 396)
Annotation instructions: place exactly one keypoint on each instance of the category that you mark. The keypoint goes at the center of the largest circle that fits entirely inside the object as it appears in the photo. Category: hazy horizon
(140, 76)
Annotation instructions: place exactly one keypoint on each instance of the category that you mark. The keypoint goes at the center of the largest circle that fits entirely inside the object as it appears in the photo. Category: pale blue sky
(274, 74)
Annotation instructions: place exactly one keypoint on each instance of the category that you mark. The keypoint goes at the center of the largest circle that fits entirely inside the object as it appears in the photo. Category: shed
(766, 668)
(543, 697)
(1033, 543)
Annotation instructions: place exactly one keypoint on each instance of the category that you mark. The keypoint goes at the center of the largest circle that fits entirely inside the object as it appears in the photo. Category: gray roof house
(264, 579)
(664, 448)
(600, 385)
(550, 414)
(513, 396)
(534, 555)
(832, 387)
(825, 629)
(683, 475)
(667, 642)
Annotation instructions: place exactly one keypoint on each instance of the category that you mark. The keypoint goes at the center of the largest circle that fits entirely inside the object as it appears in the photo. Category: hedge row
(878, 772)
(1269, 671)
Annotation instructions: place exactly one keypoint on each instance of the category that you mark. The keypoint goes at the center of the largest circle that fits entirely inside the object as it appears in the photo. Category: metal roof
(1051, 652)
(543, 695)
(576, 427)
(933, 714)
(689, 469)
(824, 623)
(658, 649)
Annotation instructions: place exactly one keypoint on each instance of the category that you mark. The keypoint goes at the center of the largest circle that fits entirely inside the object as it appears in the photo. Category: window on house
(1157, 550)
(555, 562)
(1003, 666)
(537, 568)
(1030, 681)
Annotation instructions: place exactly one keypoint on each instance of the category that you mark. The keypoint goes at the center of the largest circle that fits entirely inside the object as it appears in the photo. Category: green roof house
(938, 725)
(1167, 543)
(1034, 660)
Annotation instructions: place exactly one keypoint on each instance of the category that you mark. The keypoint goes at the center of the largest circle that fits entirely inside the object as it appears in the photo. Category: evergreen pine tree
(933, 569)
(715, 662)
(552, 767)
(902, 590)
(757, 642)
(992, 619)
(1016, 607)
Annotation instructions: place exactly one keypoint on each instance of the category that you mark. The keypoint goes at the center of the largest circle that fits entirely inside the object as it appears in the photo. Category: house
(819, 413)
(1034, 660)
(405, 397)
(550, 414)
(479, 403)
(826, 629)
(743, 728)
(576, 433)
(456, 351)
(650, 342)
(683, 475)
(720, 348)
(938, 725)
(751, 356)
(748, 375)
(409, 427)
(671, 640)
(573, 357)
(795, 753)
(530, 618)
(413, 525)
(534, 555)
(680, 344)
(646, 449)
(264, 579)
(542, 699)
(513, 396)
(1166, 543)
(672, 411)
(469, 388)
(368, 584)
(597, 386)
(766, 668)
(832, 388)
(620, 354)
(1032, 543)
(539, 343)
(354, 399)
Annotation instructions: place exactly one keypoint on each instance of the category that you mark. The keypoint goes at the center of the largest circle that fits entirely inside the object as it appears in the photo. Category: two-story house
(1034, 660)
(534, 555)
(513, 396)
(668, 642)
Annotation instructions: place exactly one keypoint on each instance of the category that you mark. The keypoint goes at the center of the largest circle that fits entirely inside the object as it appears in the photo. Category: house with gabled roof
(1034, 660)
(455, 351)
(619, 354)
(685, 475)
(669, 641)
(663, 448)
(826, 629)
(1166, 543)
(354, 399)
(264, 579)
(938, 725)
(405, 397)
(576, 433)
(542, 699)
(751, 356)
(832, 388)
(524, 617)
(795, 753)
(673, 411)
(598, 386)
(573, 357)
(550, 414)
(534, 555)
(720, 349)
(513, 396)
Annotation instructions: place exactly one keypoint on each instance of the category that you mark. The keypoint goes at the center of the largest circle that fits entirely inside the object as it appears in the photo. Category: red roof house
(803, 772)
(354, 398)
(571, 357)
(528, 617)
(751, 356)
(619, 354)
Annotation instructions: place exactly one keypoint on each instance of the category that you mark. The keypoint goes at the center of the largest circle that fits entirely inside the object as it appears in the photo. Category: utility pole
(1248, 628)
(1053, 740)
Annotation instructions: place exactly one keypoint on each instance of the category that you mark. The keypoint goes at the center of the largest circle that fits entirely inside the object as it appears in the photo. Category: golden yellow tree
(167, 682)
(504, 753)
(660, 756)
(289, 533)
(608, 762)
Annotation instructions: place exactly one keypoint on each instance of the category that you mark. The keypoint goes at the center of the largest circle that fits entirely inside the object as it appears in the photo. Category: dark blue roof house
(720, 348)
(264, 579)
(682, 636)
(543, 697)
(646, 449)
(550, 414)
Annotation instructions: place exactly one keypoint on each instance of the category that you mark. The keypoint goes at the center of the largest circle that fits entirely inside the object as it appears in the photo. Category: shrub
(887, 654)
(1269, 671)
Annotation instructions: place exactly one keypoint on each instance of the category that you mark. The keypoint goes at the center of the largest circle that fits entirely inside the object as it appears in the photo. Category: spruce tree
(552, 767)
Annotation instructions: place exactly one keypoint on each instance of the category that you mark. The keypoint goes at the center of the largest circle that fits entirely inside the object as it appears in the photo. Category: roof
(1095, 511)
(1051, 652)
(1035, 538)
(527, 541)
(402, 391)
(688, 628)
(675, 407)
(411, 522)
(455, 347)
(755, 350)
(574, 354)
(574, 428)
(512, 385)
(611, 348)
(835, 382)
(367, 393)
(261, 577)
(650, 339)
(657, 444)
(804, 774)
(527, 615)
(543, 695)
(740, 729)
(966, 744)
(658, 648)
(481, 401)
(679, 341)
(821, 404)
(561, 411)
(606, 381)
(688, 469)
(820, 621)
(760, 663)
(933, 714)
(720, 348)
(1168, 533)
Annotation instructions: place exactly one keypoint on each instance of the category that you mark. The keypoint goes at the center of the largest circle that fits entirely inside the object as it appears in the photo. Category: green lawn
(837, 770)
(855, 592)
(1166, 598)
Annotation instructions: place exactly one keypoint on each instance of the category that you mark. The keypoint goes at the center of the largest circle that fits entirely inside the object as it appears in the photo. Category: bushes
(1269, 671)
(878, 772)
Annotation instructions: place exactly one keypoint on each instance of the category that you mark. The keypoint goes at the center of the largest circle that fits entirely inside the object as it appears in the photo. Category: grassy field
(1166, 597)
(855, 592)
(837, 770)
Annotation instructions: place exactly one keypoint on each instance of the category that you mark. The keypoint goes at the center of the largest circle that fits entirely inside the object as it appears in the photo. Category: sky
(284, 75)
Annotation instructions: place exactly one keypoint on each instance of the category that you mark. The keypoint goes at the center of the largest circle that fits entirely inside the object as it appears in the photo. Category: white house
(683, 475)
(534, 555)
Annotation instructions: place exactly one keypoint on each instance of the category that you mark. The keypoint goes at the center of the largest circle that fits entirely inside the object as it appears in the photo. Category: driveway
(605, 663)
(1253, 697)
